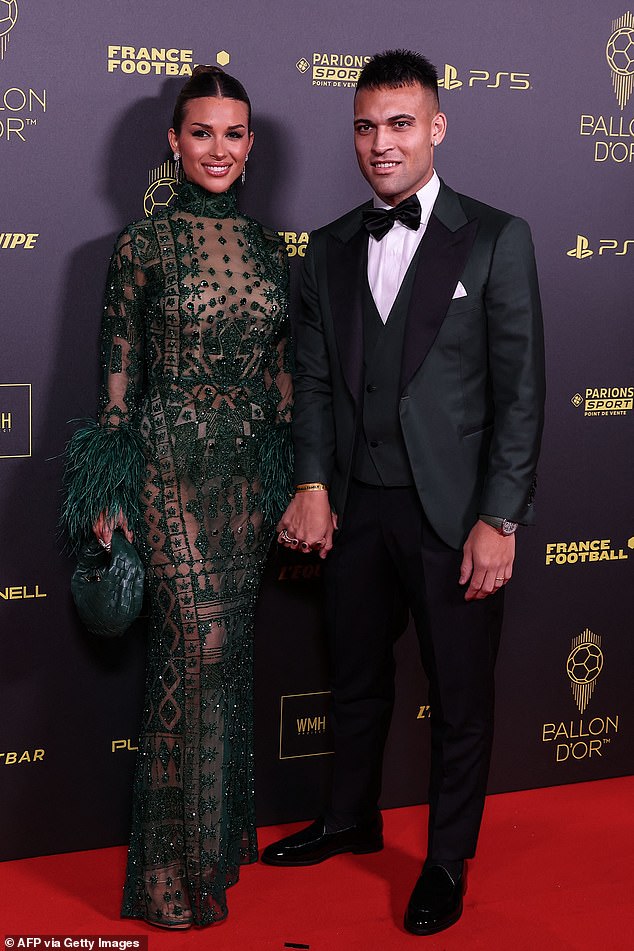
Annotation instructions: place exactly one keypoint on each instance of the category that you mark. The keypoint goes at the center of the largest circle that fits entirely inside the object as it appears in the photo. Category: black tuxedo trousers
(387, 561)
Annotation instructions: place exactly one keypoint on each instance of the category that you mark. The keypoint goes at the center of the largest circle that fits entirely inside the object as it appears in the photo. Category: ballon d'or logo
(8, 19)
(619, 53)
(584, 664)
(161, 189)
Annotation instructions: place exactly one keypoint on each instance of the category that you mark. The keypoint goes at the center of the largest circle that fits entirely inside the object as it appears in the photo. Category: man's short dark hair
(394, 68)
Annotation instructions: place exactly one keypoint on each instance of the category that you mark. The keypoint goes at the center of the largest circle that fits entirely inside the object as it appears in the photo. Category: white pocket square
(459, 291)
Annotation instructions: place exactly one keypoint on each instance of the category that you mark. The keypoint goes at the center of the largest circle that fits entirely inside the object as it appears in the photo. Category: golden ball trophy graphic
(584, 664)
(162, 188)
(619, 53)
(8, 19)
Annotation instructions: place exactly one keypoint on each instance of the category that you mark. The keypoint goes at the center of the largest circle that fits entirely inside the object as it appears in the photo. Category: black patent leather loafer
(313, 845)
(436, 901)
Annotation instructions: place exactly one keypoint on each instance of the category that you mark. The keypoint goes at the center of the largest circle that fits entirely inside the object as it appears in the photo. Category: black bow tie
(378, 221)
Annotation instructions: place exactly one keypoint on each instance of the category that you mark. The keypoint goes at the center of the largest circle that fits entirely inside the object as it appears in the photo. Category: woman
(196, 375)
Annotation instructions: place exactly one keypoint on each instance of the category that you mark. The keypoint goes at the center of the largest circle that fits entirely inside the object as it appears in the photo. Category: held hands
(308, 524)
(487, 562)
(105, 526)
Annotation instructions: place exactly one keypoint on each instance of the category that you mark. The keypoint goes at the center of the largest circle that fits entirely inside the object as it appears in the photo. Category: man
(418, 415)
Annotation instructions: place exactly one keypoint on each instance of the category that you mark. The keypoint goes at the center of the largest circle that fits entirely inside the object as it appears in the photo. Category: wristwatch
(503, 526)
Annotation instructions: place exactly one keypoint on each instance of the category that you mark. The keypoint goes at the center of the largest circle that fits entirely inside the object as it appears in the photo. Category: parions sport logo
(8, 19)
(155, 60)
(333, 69)
(613, 135)
(451, 79)
(605, 400)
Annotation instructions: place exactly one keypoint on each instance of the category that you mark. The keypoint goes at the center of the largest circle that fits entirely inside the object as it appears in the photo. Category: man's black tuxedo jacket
(472, 368)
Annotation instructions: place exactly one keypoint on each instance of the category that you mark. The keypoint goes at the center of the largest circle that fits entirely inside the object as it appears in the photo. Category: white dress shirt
(389, 259)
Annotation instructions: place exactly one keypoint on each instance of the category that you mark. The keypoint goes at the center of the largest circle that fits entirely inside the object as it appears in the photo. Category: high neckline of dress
(198, 201)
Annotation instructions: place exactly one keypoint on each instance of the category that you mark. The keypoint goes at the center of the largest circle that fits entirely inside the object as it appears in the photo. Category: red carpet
(554, 872)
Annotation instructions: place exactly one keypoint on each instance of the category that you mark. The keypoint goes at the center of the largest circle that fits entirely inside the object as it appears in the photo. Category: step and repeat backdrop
(540, 106)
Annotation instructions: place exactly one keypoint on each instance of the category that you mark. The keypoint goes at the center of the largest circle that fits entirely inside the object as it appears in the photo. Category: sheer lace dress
(195, 357)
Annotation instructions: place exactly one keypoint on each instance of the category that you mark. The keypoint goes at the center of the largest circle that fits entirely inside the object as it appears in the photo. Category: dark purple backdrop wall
(540, 106)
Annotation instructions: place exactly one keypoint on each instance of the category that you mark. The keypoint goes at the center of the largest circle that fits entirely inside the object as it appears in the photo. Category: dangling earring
(177, 166)
(243, 177)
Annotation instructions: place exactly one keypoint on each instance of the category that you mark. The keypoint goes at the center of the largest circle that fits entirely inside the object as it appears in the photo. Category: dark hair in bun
(208, 81)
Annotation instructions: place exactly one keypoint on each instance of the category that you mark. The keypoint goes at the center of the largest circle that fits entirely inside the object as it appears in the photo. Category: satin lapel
(442, 258)
(347, 267)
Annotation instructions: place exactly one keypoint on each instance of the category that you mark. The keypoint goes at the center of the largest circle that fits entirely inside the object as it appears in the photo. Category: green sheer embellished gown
(195, 354)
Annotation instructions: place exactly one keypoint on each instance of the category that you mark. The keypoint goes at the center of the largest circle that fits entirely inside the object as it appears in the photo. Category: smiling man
(418, 415)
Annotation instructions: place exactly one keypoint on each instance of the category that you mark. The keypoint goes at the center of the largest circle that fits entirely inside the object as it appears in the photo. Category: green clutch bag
(107, 586)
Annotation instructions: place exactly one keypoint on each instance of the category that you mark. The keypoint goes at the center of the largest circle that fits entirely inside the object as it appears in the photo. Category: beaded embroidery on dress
(196, 360)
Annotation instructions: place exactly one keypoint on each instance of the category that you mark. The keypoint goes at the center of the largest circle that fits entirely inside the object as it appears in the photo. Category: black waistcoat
(381, 457)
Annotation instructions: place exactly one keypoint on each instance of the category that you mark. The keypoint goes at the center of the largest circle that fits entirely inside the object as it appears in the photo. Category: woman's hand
(106, 524)
(308, 523)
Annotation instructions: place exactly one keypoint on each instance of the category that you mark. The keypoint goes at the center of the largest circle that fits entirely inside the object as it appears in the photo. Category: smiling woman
(214, 142)
(211, 133)
(197, 391)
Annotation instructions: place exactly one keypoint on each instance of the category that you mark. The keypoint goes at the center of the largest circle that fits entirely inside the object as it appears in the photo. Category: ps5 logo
(583, 250)
(492, 80)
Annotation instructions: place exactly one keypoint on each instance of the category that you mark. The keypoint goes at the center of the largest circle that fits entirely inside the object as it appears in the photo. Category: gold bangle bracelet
(311, 487)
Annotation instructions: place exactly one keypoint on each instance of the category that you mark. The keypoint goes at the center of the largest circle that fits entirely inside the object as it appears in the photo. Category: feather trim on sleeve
(104, 471)
(276, 471)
